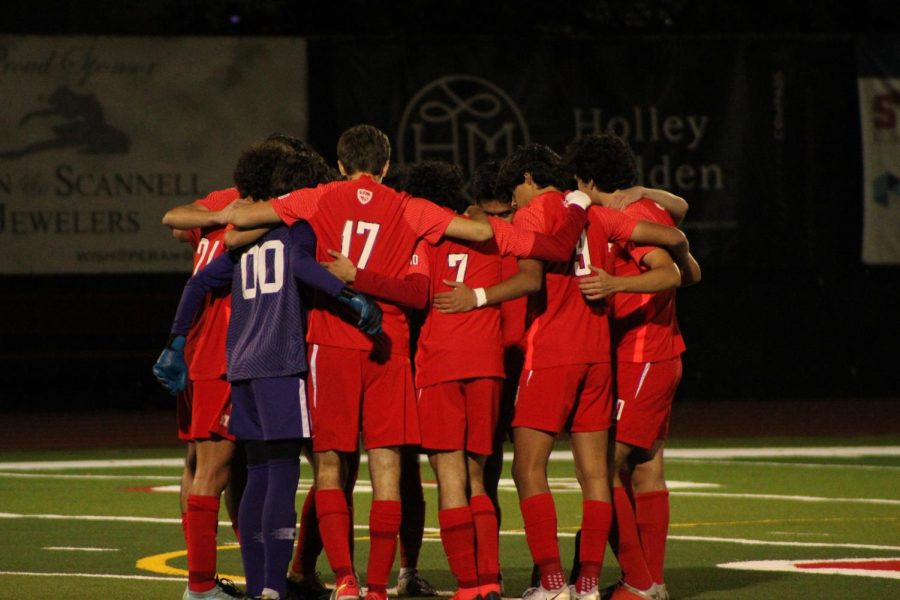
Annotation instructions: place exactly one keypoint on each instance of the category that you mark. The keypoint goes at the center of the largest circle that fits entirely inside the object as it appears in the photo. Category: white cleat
(539, 593)
(592, 594)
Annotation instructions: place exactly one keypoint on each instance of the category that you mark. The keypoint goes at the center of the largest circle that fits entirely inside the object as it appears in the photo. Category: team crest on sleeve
(363, 195)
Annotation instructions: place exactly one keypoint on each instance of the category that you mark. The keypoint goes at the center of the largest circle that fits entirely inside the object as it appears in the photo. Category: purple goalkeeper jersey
(265, 333)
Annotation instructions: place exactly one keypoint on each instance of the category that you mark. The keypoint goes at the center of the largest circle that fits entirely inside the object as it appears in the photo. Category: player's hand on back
(460, 299)
(341, 267)
(170, 368)
(369, 312)
(599, 285)
(622, 198)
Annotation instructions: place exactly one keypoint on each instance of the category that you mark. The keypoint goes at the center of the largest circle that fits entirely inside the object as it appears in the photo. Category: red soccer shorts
(645, 394)
(349, 393)
(203, 410)
(573, 397)
(460, 415)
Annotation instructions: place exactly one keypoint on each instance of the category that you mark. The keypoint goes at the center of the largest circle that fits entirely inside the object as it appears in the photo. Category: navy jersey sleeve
(304, 265)
(216, 274)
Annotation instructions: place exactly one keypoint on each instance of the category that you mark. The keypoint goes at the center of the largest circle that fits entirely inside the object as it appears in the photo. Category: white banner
(101, 135)
(879, 105)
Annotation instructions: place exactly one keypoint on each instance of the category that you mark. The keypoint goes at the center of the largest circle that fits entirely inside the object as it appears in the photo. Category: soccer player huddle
(537, 306)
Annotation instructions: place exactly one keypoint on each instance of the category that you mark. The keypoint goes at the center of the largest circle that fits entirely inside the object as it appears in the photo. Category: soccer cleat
(223, 590)
(624, 591)
(490, 591)
(467, 594)
(662, 593)
(592, 594)
(539, 593)
(346, 589)
(411, 583)
(229, 587)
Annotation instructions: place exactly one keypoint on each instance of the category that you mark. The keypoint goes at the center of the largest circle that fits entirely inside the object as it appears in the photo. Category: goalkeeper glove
(170, 369)
(369, 312)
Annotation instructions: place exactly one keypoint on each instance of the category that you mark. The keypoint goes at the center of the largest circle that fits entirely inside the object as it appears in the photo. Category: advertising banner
(879, 111)
(101, 135)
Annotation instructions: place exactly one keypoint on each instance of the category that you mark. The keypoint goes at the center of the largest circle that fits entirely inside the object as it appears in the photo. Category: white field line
(433, 530)
(746, 542)
(790, 566)
(94, 575)
(884, 501)
(556, 455)
(789, 465)
(86, 476)
(77, 549)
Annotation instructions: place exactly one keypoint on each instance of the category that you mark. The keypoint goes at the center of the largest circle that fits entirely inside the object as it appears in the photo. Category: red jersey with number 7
(644, 325)
(204, 350)
(470, 344)
(377, 228)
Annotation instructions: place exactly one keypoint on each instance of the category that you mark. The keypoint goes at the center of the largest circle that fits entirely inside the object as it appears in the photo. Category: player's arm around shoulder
(254, 214)
(477, 228)
(197, 215)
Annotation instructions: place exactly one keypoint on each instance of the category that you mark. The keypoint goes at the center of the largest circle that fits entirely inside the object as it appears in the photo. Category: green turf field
(75, 529)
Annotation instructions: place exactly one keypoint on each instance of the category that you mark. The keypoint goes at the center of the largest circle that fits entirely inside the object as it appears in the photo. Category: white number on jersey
(255, 272)
(460, 261)
(582, 256)
(370, 230)
(205, 253)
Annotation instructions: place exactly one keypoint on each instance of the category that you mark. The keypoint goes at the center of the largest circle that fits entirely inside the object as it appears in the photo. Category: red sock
(487, 540)
(458, 536)
(596, 518)
(652, 517)
(539, 515)
(202, 520)
(631, 554)
(334, 521)
(184, 527)
(384, 524)
(309, 542)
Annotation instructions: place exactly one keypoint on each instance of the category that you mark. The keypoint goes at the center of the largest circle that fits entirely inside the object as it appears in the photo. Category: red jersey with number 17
(462, 345)
(204, 350)
(644, 325)
(375, 226)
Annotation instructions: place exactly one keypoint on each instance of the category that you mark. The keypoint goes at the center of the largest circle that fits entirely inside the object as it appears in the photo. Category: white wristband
(480, 297)
(578, 198)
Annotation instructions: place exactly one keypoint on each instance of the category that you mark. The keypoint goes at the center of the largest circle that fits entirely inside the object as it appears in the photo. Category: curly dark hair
(363, 149)
(254, 168)
(294, 142)
(301, 170)
(543, 164)
(604, 159)
(438, 181)
(484, 181)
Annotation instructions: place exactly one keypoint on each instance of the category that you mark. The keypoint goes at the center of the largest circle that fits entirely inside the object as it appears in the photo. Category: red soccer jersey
(644, 325)
(204, 350)
(563, 328)
(377, 228)
(462, 345)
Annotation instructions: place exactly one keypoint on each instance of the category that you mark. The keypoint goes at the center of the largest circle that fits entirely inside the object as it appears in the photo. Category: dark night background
(825, 329)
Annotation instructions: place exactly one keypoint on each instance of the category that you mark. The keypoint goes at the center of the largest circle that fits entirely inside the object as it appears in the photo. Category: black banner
(734, 125)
